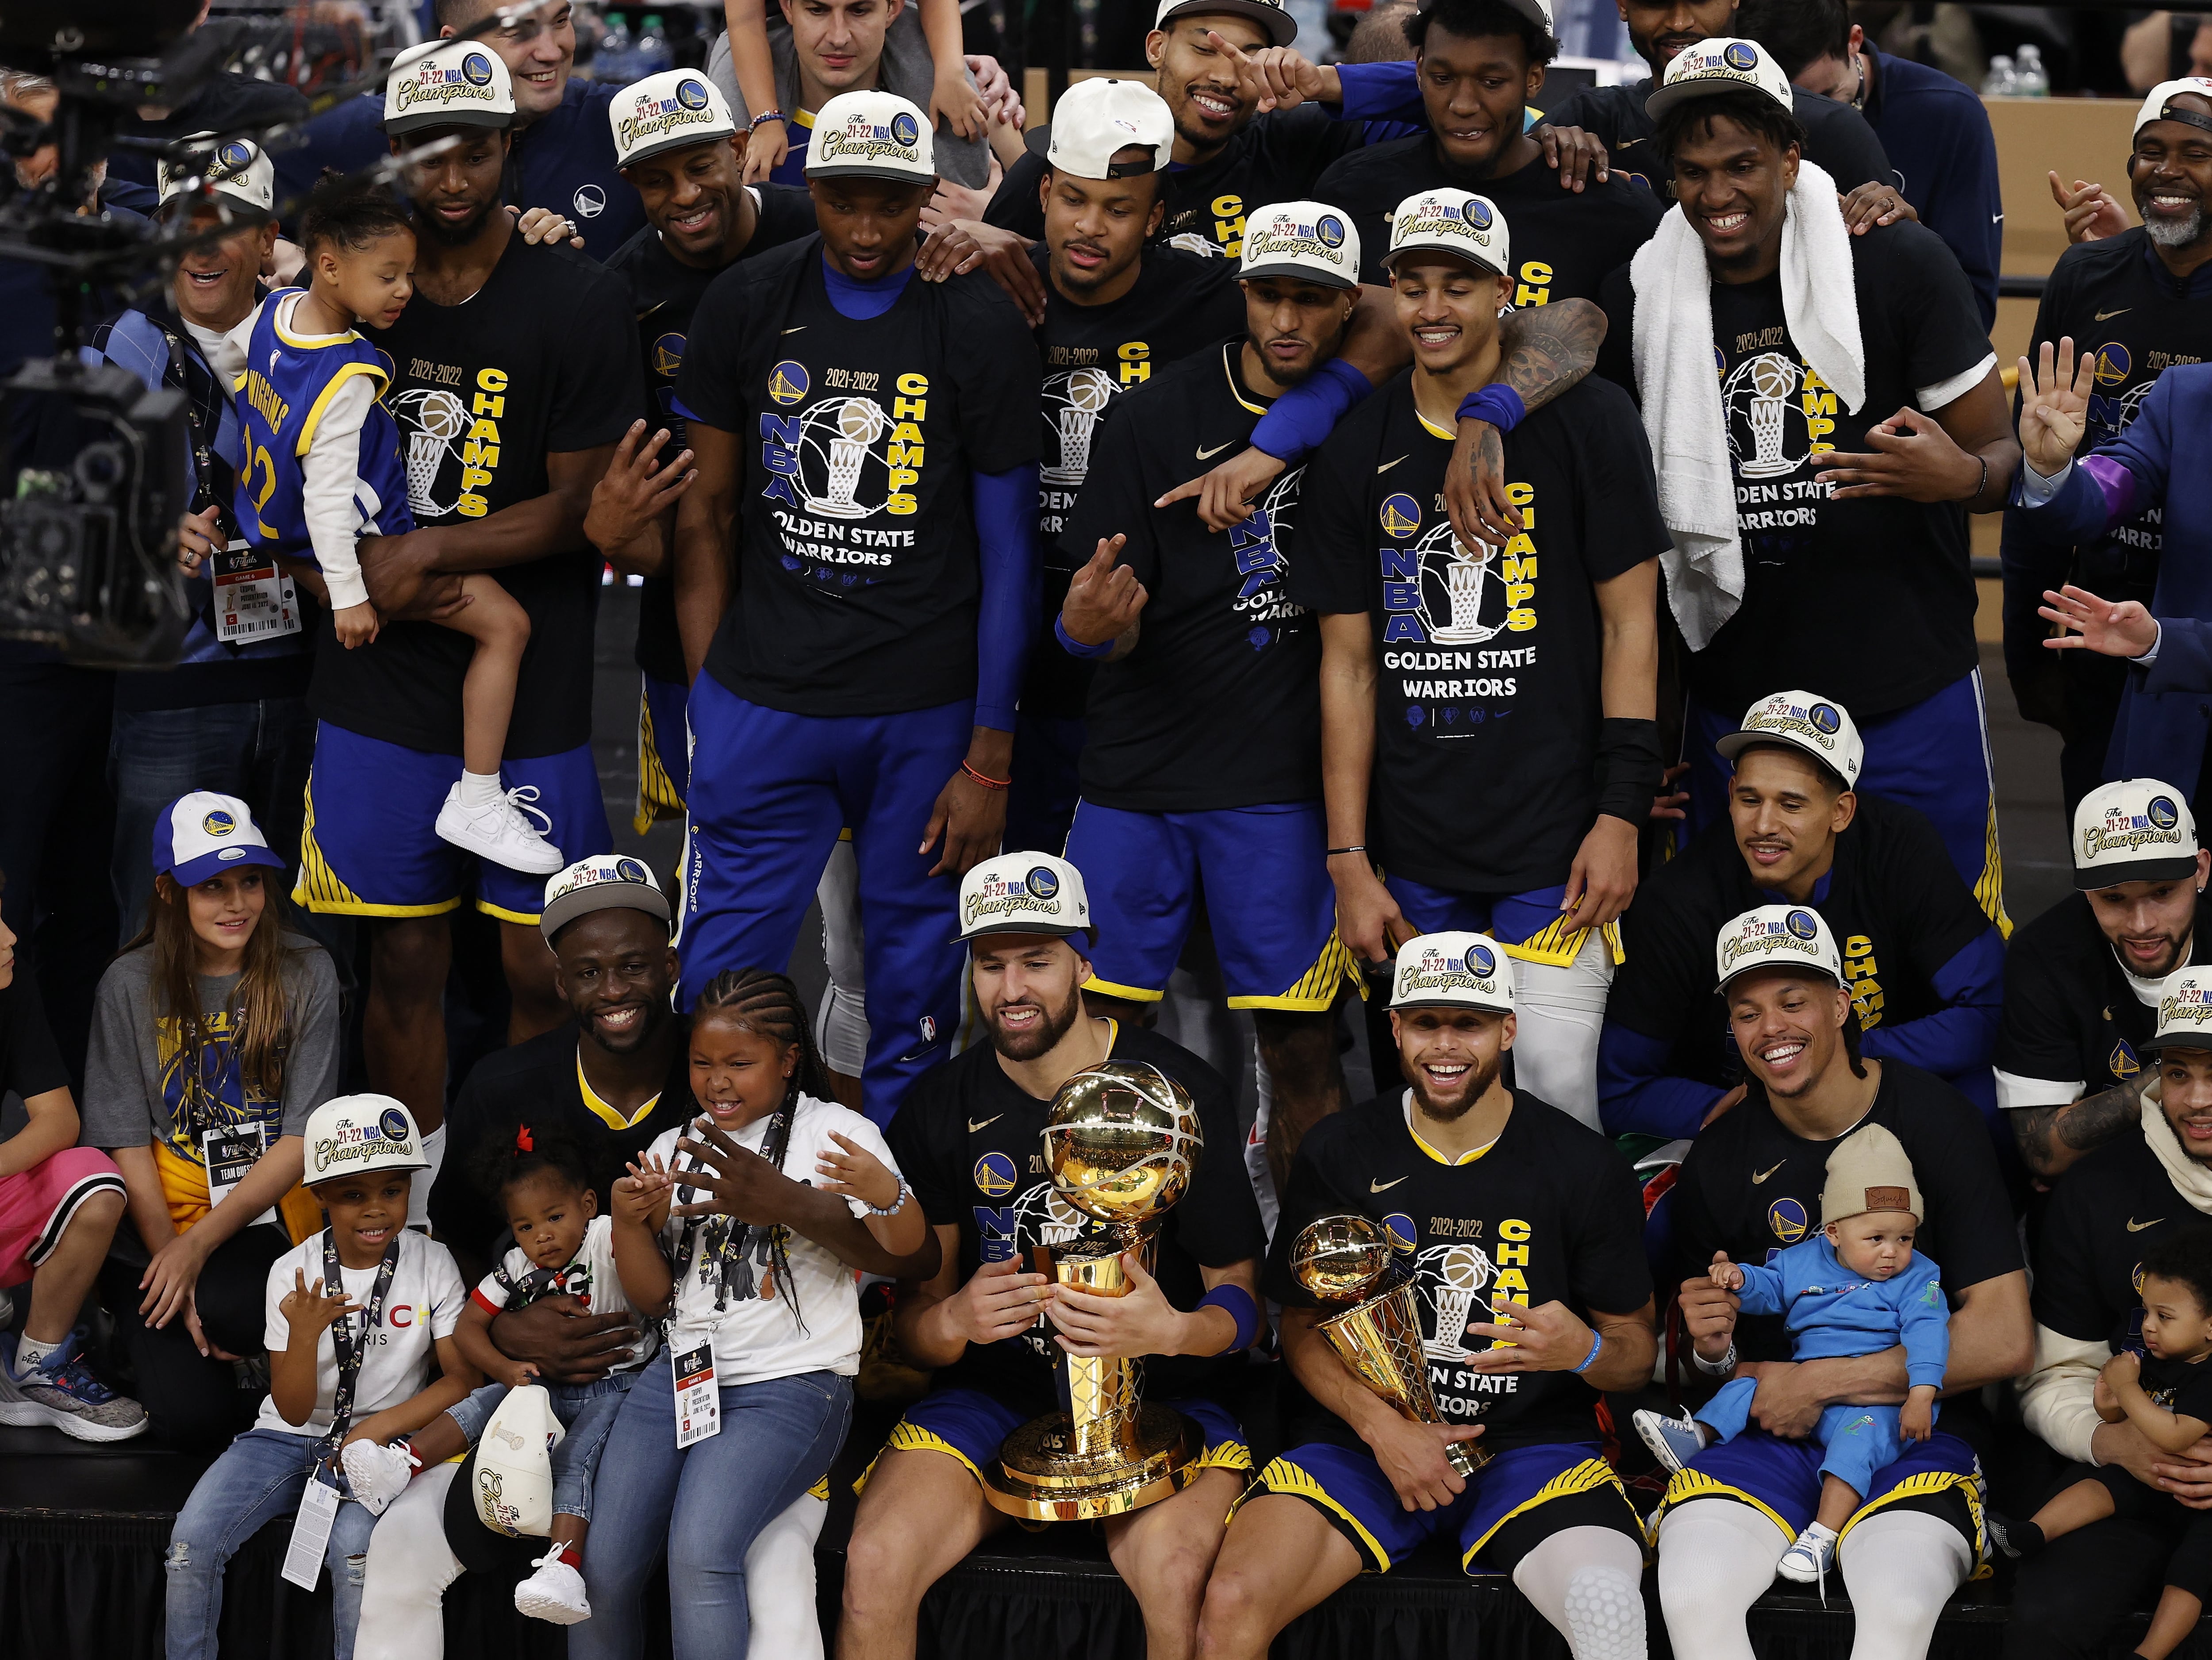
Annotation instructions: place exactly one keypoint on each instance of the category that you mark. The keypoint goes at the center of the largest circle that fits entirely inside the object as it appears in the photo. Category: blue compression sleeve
(1635, 1095)
(863, 301)
(1961, 1037)
(1384, 92)
(1013, 589)
(1303, 417)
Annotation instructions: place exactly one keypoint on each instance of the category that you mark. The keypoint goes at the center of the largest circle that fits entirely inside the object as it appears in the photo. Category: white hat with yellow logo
(1024, 893)
(1820, 727)
(2133, 829)
(672, 110)
(1452, 970)
(1776, 937)
(237, 168)
(1455, 221)
(361, 1135)
(870, 134)
(1305, 242)
(1722, 64)
(2184, 1011)
(447, 83)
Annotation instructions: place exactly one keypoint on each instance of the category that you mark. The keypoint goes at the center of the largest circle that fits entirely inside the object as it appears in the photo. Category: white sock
(1716, 1559)
(29, 1351)
(480, 789)
(1902, 1567)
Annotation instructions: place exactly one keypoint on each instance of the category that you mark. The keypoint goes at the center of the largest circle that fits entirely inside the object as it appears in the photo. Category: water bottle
(611, 62)
(2031, 82)
(2001, 81)
(651, 55)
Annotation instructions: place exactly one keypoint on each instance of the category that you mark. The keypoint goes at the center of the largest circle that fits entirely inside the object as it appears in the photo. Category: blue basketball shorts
(1781, 1480)
(970, 1425)
(1858, 1440)
(1268, 899)
(1531, 925)
(371, 846)
(1569, 1480)
(663, 752)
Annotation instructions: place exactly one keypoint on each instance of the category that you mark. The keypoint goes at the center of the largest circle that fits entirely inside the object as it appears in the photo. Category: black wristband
(1629, 769)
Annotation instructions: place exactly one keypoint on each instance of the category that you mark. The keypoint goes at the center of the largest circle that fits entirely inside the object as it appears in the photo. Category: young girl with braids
(741, 1234)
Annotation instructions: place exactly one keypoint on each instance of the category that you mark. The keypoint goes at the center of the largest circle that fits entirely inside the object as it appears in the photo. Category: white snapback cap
(2184, 1011)
(1454, 221)
(1096, 118)
(1271, 15)
(1024, 893)
(2154, 103)
(1452, 970)
(1820, 727)
(870, 134)
(361, 1135)
(1308, 241)
(2139, 830)
(447, 83)
(1720, 65)
(608, 881)
(1776, 937)
(672, 110)
(237, 168)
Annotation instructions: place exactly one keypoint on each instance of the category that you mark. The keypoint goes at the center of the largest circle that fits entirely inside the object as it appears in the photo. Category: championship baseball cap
(1776, 936)
(2184, 1011)
(361, 1135)
(2153, 104)
(1869, 1170)
(870, 134)
(1719, 66)
(1820, 727)
(1309, 241)
(1452, 970)
(1538, 12)
(1097, 116)
(1454, 221)
(236, 168)
(447, 83)
(1271, 15)
(672, 110)
(607, 881)
(2137, 830)
(1024, 893)
(202, 835)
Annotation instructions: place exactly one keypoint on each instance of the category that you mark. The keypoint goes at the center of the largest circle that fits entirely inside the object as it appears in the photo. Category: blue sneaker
(1674, 1441)
(62, 1391)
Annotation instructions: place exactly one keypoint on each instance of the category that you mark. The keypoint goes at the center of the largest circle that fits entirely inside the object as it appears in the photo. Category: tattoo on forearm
(2096, 1119)
(1549, 348)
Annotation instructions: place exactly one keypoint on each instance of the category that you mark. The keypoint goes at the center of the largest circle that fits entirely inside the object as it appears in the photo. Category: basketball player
(1524, 1233)
(1833, 505)
(1488, 736)
(868, 444)
(968, 1140)
(514, 377)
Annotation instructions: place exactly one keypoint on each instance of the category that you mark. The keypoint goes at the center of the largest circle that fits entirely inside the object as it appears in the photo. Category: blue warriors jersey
(289, 382)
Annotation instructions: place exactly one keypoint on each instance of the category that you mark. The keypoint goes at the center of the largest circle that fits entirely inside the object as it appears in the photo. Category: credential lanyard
(350, 1353)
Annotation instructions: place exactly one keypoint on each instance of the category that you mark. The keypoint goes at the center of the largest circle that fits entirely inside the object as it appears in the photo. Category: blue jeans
(703, 1505)
(259, 1478)
(258, 752)
(587, 1411)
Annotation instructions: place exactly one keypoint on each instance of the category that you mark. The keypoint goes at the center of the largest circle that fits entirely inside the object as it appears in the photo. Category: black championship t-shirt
(857, 567)
(1838, 139)
(1550, 1214)
(1752, 1187)
(1276, 158)
(970, 1139)
(2073, 1016)
(2183, 1388)
(1181, 303)
(1896, 904)
(539, 362)
(664, 292)
(1219, 704)
(2105, 1215)
(1809, 562)
(1487, 699)
(1563, 242)
(537, 1083)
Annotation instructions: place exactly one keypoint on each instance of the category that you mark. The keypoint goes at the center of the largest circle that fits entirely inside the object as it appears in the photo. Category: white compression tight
(1584, 1581)
(1559, 1011)
(410, 1566)
(840, 1029)
(1901, 1566)
(418, 1197)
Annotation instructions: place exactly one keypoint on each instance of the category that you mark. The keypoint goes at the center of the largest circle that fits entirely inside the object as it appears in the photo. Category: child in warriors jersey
(322, 468)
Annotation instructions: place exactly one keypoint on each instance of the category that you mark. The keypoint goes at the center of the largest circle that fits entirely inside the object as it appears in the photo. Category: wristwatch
(1721, 1368)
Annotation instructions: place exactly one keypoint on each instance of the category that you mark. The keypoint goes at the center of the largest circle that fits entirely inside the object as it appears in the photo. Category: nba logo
(928, 1028)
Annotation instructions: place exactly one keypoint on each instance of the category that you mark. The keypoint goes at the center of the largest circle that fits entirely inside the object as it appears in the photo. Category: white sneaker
(554, 1593)
(1674, 1441)
(376, 1476)
(497, 831)
(1809, 1558)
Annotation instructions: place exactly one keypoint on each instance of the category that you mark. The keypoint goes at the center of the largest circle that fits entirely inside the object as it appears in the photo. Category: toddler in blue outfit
(1855, 1289)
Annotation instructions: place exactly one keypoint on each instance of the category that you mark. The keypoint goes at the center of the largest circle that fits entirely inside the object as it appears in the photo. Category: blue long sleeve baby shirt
(1831, 1312)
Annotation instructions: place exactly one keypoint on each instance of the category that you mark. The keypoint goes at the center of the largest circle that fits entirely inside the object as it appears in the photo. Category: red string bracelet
(987, 783)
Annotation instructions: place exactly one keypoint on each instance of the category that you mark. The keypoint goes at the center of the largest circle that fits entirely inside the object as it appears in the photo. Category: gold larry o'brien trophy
(1120, 1143)
(1345, 1262)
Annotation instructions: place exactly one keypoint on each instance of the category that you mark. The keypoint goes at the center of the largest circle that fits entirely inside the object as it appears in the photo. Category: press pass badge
(698, 1402)
(252, 600)
(311, 1532)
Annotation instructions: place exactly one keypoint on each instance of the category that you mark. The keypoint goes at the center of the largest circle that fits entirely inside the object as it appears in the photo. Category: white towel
(1674, 354)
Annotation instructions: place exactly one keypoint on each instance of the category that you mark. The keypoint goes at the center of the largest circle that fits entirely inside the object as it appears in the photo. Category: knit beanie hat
(1868, 1170)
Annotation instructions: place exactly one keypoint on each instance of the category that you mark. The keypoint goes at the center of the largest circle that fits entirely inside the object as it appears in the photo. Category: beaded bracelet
(896, 1204)
(764, 117)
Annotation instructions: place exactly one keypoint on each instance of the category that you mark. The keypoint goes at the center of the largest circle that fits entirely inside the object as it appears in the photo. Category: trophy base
(1037, 1478)
(1465, 1456)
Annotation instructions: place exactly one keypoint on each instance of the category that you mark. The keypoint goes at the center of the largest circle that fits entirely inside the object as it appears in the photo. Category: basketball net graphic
(438, 419)
(1088, 392)
(1774, 377)
(1460, 1273)
(860, 422)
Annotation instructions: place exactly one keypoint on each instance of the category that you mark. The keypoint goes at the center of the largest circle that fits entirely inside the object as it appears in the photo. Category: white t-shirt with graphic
(591, 1279)
(423, 1304)
(756, 1336)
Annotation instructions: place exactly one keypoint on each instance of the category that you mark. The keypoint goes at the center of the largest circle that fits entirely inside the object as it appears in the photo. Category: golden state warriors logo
(1329, 231)
(2161, 813)
(668, 356)
(692, 94)
(231, 159)
(1478, 214)
(628, 870)
(1802, 924)
(994, 1175)
(218, 823)
(1401, 516)
(2137, 1278)
(1825, 718)
(2122, 1062)
(2114, 363)
(1786, 1220)
(477, 68)
(393, 1123)
(1403, 1234)
(1739, 56)
(1043, 883)
(903, 128)
(787, 382)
